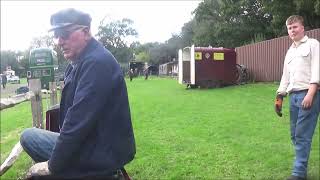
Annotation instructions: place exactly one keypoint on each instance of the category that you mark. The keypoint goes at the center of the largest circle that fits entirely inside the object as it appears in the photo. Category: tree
(42, 41)
(279, 11)
(23, 62)
(114, 36)
(47, 41)
(8, 58)
(172, 47)
(160, 54)
(143, 56)
(187, 33)
(230, 23)
(310, 10)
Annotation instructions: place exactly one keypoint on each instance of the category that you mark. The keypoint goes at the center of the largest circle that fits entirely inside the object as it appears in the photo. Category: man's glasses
(65, 33)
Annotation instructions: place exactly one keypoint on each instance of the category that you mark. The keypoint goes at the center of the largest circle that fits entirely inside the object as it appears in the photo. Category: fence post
(36, 103)
(61, 85)
(53, 94)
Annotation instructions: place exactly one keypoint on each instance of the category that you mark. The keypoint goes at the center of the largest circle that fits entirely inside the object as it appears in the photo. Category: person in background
(4, 80)
(146, 73)
(300, 79)
(131, 74)
(96, 137)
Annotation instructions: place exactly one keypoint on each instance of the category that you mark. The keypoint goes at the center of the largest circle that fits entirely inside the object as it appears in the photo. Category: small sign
(40, 60)
(218, 56)
(207, 55)
(198, 55)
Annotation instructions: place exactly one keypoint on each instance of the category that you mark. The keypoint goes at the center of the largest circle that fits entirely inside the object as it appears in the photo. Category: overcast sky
(21, 21)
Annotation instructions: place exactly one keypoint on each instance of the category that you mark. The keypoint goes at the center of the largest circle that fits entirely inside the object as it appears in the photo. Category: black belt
(299, 91)
(304, 90)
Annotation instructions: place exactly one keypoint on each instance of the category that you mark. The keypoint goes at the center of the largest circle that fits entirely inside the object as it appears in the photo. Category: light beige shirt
(301, 66)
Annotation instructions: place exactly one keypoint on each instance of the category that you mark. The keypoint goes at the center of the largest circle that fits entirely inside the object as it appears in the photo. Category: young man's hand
(307, 102)
(39, 169)
(278, 104)
(308, 99)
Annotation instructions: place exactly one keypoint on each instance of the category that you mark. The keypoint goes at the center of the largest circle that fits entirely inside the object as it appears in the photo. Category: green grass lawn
(226, 133)
(23, 80)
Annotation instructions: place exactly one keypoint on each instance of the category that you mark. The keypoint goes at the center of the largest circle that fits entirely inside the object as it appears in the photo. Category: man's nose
(60, 41)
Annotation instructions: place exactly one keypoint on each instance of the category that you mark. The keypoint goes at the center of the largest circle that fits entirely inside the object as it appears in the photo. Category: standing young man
(96, 134)
(301, 80)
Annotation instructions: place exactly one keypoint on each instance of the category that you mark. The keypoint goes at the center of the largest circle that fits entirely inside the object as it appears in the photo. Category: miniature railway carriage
(207, 67)
(169, 69)
(43, 65)
(137, 67)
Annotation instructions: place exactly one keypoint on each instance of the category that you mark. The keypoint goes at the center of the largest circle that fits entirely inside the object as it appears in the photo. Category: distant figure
(135, 72)
(130, 74)
(146, 73)
(4, 81)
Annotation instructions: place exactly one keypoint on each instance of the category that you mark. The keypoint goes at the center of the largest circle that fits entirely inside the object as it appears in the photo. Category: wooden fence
(36, 100)
(37, 117)
(264, 60)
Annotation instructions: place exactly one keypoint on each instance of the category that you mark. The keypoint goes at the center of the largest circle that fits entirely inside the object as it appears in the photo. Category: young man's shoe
(292, 177)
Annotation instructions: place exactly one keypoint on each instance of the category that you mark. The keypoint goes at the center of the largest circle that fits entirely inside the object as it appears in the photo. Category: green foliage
(229, 23)
(280, 10)
(143, 56)
(308, 9)
(224, 133)
(8, 58)
(114, 36)
(42, 41)
(16, 59)
(317, 7)
(258, 38)
(23, 63)
(158, 53)
(187, 33)
(233, 23)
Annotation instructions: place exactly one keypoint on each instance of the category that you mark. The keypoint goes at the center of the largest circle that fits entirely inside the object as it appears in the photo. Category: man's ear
(87, 33)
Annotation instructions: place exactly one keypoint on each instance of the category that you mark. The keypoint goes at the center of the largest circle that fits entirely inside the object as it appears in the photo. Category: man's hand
(307, 102)
(39, 169)
(278, 104)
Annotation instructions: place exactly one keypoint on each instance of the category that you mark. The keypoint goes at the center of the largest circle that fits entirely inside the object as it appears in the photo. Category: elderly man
(96, 136)
(300, 79)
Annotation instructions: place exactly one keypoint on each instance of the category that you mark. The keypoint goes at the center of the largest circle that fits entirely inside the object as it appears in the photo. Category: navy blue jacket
(96, 133)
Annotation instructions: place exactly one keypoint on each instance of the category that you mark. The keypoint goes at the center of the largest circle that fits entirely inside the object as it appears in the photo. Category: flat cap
(67, 17)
